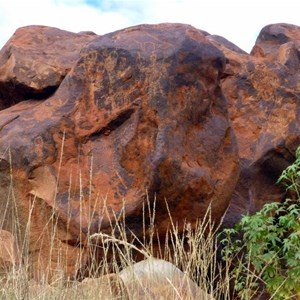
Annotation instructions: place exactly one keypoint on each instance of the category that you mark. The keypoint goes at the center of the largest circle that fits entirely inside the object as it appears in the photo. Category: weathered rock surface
(35, 60)
(263, 94)
(9, 252)
(91, 126)
(140, 113)
(158, 279)
(106, 287)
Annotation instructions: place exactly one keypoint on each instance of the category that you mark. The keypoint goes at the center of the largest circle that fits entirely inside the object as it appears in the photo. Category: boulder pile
(96, 128)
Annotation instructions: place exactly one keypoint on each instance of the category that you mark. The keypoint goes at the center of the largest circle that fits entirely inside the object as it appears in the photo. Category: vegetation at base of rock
(263, 248)
(194, 253)
(267, 244)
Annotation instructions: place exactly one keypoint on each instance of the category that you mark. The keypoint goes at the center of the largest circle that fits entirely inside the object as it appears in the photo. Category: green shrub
(266, 245)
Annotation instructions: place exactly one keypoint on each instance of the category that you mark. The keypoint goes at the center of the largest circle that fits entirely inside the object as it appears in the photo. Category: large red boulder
(137, 114)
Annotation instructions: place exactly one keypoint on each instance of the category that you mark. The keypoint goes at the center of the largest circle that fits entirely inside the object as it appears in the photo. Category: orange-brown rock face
(134, 113)
(92, 125)
(263, 93)
(35, 60)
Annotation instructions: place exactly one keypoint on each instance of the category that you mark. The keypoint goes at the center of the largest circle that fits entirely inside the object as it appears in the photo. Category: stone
(35, 60)
(151, 279)
(106, 287)
(135, 115)
(9, 252)
(156, 279)
(263, 93)
(273, 38)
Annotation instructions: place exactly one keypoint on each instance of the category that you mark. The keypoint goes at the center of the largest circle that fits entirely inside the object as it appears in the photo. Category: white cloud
(72, 15)
(237, 20)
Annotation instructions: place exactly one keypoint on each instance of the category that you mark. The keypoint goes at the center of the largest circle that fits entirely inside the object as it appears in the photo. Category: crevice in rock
(114, 124)
(273, 163)
(7, 122)
(74, 243)
(12, 93)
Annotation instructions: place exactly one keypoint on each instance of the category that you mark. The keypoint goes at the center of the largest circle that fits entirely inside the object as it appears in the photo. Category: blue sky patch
(95, 3)
(103, 4)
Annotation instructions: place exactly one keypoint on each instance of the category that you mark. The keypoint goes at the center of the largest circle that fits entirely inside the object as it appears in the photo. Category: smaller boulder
(35, 60)
(9, 251)
(158, 279)
(106, 287)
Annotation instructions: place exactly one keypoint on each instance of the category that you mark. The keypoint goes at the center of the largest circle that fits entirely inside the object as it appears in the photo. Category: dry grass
(193, 250)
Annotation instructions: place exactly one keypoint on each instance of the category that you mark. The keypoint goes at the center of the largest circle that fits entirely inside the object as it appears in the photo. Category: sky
(239, 21)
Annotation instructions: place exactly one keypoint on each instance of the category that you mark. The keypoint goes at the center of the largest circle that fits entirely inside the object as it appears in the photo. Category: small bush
(266, 245)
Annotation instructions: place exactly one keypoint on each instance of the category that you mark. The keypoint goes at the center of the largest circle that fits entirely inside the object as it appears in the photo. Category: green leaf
(272, 243)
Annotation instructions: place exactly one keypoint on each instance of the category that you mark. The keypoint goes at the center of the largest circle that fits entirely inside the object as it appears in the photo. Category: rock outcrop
(140, 114)
(94, 128)
(34, 62)
(263, 94)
